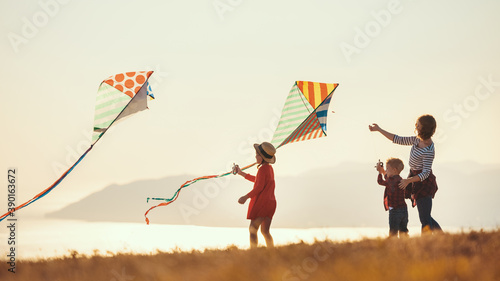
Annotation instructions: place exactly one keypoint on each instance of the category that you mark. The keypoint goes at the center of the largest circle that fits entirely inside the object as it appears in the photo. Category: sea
(51, 238)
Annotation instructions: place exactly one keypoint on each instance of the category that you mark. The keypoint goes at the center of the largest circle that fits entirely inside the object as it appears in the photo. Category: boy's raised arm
(381, 181)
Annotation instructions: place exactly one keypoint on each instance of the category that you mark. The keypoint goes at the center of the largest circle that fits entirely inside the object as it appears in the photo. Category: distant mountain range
(343, 196)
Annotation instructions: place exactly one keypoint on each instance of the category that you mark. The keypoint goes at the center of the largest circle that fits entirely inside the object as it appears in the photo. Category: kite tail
(47, 190)
(186, 184)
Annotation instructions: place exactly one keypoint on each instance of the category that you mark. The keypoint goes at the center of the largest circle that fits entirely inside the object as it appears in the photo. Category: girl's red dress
(262, 200)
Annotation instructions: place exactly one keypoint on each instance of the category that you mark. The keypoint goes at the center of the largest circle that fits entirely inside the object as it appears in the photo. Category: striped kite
(304, 114)
(303, 118)
(119, 96)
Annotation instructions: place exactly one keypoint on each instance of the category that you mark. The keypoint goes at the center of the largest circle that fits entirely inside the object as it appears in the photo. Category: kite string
(170, 200)
(372, 137)
(176, 194)
(374, 147)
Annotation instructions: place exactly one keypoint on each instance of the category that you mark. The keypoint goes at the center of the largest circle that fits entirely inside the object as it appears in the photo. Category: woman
(423, 182)
(262, 200)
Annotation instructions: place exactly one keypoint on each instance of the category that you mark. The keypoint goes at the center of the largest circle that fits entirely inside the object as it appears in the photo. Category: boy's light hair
(395, 163)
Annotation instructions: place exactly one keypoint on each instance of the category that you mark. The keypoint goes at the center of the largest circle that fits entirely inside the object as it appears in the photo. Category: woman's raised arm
(375, 128)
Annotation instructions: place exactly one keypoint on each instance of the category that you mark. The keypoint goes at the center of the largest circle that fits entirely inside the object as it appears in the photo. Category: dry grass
(466, 256)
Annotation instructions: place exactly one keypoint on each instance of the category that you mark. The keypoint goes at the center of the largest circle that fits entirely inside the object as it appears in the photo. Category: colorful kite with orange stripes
(303, 118)
(119, 96)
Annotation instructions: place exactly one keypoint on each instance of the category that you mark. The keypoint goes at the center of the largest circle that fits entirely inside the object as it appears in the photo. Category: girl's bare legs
(254, 228)
(266, 225)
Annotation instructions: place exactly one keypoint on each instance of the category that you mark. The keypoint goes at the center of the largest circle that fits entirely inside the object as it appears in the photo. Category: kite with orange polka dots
(119, 96)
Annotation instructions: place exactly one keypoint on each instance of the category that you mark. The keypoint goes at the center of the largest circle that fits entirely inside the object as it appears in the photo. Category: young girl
(422, 180)
(262, 199)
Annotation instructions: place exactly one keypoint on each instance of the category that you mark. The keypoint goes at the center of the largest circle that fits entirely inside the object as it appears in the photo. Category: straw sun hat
(266, 151)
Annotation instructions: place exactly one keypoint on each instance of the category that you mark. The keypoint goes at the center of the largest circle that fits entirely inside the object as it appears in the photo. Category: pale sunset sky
(223, 70)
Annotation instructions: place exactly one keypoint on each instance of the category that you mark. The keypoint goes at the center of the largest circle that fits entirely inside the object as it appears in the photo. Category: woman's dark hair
(428, 126)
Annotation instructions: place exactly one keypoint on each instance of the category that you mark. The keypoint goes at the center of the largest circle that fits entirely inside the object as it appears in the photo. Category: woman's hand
(404, 183)
(374, 127)
(242, 199)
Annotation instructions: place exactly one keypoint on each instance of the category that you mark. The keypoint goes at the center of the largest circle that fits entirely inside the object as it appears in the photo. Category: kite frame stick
(121, 112)
(304, 100)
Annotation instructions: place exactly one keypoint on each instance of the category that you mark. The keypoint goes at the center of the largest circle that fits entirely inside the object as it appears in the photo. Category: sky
(223, 69)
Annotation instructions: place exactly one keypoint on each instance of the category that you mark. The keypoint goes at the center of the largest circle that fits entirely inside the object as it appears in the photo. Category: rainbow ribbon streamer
(186, 184)
(47, 190)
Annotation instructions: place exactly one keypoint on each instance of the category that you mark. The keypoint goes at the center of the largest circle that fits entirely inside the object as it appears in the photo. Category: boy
(394, 197)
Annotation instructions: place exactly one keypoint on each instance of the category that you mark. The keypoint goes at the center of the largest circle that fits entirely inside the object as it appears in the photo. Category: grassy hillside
(457, 257)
